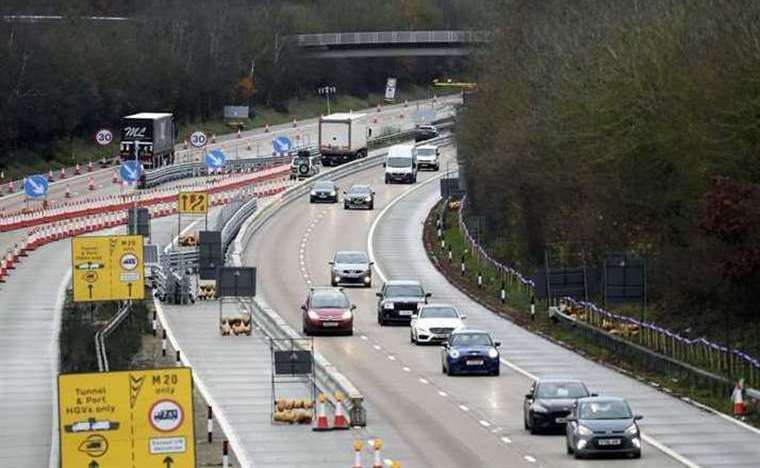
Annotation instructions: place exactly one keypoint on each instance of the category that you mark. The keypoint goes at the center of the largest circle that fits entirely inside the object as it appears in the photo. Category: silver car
(603, 425)
(351, 267)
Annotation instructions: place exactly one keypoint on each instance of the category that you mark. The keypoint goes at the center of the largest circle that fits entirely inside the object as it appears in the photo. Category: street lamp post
(327, 91)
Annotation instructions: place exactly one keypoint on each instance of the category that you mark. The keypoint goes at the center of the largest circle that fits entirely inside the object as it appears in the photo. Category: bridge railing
(391, 37)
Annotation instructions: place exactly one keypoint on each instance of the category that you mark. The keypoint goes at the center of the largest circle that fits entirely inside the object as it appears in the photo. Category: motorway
(447, 422)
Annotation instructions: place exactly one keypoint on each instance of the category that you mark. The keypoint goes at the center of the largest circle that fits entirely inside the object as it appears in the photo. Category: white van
(427, 157)
(400, 164)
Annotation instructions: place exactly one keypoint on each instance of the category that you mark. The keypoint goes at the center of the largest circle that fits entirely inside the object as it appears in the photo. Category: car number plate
(474, 362)
(560, 420)
(329, 324)
(405, 313)
(322, 195)
(609, 442)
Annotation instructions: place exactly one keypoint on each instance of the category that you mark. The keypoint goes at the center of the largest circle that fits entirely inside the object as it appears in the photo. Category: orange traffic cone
(238, 134)
(68, 192)
(249, 145)
(77, 169)
(91, 184)
(50, 175)
(63, 173)
(184, 145)
(738, 399)
(115, 178)
(378, 107)
(295, 124)
(321, 416)
(11, 187)
(213, 138)
(89, 166)
(358, 445)
(266, 128)
(339, 419)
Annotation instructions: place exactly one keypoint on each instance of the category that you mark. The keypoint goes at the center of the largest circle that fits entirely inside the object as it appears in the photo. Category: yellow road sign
(107, 268)
(192, 202)
(130, 419)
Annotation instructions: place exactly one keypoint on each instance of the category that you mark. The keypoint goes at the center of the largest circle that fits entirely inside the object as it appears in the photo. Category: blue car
(470, 352)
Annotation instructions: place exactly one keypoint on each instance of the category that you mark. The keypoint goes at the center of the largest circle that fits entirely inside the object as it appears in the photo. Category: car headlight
(313, 315)
(313, 192)
(632, 430)
(388, 305)
(583, 430)
(367, 279)
(422, 330)
(337, 278)
(536, 408)
(332, 193)
(418, 305)
(346, 315)
(454, 353)
(368, 198)
(492, 353)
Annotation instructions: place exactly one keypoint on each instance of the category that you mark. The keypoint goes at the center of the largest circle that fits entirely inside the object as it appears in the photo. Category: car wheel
(306, 331)
(496, 372)
(372, 206)
(525, 422)
(443, 369)
(567, 446)
(411, 337)
(380, 320)
(437, 167)
(637, 455)
(577, 455)
(333, 283)
(345, 207)
(350, 332)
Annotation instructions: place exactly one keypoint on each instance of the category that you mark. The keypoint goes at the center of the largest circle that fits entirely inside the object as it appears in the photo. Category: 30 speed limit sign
(104, 137)
(198, 139)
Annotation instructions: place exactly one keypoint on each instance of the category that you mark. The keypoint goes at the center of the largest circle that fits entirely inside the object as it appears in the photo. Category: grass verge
(449, 256)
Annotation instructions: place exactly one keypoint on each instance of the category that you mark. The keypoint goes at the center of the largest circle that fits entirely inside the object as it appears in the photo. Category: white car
(434, 323)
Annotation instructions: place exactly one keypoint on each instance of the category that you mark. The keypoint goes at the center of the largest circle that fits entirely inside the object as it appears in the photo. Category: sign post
(191, 203)
(327, 91)
(135, 418)
(35, 186)
(390, 90)
(107, 268)
(281, 144)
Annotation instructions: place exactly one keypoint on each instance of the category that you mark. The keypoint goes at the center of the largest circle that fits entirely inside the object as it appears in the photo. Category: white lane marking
(371, 251)
(406, 369)
(377, 347)
(484, 423)
(371, 235)
(506, 440)
(464, 408)
(392, 358)
(424, 381)
(442, 393)
(529, 459)
(364, 337)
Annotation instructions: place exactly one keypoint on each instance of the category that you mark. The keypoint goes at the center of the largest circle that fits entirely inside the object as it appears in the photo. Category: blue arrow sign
(281, 144)
(35, 186)
(215, 159)
(130, 170)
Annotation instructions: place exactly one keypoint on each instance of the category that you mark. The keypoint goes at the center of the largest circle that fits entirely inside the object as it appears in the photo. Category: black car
(324, 191)
(425, 132)
(603, 425)
(548, 403)
(399, 300)
(359, 196)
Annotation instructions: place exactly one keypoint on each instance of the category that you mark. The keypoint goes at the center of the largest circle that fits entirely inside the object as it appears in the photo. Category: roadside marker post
(210, 425)
(163, 343)
(358, 445)
(225, 455)
(377, 445)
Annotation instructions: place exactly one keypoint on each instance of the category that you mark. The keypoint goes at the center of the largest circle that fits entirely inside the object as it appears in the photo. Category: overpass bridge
(389, 43)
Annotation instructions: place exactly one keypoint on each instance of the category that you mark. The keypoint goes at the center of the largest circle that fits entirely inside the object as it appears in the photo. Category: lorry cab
(401, 164)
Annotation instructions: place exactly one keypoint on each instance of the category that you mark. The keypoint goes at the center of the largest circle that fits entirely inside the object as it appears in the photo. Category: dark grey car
(351, 267)
(324, 191)
(603, 425)
(359, 196)
(549, 402)
(399, 300)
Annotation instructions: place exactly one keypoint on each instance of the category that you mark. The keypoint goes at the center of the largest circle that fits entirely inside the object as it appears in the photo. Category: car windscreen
(604, 410)
(359, 190)
(561, 390)
(324, 186)
(354, 257)
(470, 339)
(399, 162)
(329, 300)
(439, 312)
(405, 290)
(425, 152)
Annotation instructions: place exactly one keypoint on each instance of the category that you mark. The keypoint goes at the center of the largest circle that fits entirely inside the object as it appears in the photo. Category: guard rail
(101, 335)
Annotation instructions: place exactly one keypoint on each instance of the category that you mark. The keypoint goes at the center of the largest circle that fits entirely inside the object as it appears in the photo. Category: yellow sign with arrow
(192, 202)
(107, 268)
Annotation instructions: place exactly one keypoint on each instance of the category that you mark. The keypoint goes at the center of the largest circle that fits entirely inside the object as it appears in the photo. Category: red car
(328, 310)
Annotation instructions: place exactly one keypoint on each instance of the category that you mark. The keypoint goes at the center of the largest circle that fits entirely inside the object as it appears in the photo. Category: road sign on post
(129, 418)
(198, 139)
(281, 144)
(192, 202)
(390, 90)
(215, 159)
(104, 137)
(35, 186)
(130, 170)
(107, 268)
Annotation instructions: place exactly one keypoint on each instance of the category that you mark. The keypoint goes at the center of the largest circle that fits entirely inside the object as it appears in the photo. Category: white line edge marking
(370, 241)
(53, 457)
(484, 423)
(442, 393)
(529, 459)
(464, 408)
(506, 440)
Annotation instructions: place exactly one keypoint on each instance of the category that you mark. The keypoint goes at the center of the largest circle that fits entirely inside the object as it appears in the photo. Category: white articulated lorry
(342, 137)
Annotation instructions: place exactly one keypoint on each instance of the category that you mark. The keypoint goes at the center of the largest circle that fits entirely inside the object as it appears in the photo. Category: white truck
(342, 137)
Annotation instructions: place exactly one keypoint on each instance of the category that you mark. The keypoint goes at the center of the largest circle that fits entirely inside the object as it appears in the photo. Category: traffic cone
(63, 173)
(238, 133)
(266, 128)
(11, 187)
(89, 166)
(339, 419)
(184, 144)
(115, 178)
(378, 107)
(295, 124)
(377, 444)
(406, 103)
(50, 176)
(321, 416)
(249, 145)
(68, 191)
(358, 445)
(213, 138)
(77, 170)
(90, 184)
(738, 399)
